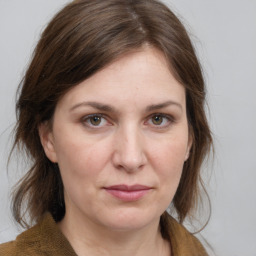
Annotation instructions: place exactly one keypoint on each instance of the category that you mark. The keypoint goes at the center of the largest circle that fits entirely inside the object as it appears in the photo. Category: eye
(95, 120)
(157, 120)
(160, 120)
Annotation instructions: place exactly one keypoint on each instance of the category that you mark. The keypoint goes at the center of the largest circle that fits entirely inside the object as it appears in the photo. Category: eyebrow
(163, 105)
(108, 108)
(97, 105)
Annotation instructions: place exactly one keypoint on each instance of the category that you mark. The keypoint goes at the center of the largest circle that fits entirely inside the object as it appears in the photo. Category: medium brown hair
(80, 40)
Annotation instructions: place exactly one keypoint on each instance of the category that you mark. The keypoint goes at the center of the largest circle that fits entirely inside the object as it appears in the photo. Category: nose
(129, 154)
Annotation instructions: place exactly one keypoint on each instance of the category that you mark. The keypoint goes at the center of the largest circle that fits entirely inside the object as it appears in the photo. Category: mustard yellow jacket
(45, 238)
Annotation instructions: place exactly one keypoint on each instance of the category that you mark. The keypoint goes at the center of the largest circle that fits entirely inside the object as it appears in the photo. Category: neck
(88, 238)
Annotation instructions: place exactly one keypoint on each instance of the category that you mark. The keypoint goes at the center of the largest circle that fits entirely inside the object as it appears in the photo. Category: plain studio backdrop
(224, 34)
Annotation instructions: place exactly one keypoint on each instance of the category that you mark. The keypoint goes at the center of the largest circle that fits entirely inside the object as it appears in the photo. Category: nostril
(129, 152)
(128, 162)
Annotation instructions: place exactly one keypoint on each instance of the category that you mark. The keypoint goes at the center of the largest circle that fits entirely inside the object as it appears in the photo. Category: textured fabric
(184, 243)
(45, 239)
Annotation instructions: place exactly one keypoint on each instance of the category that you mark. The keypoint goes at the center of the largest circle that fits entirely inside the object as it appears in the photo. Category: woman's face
(120, 139)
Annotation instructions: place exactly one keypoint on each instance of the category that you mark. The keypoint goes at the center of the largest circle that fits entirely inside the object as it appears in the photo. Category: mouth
(128, 193)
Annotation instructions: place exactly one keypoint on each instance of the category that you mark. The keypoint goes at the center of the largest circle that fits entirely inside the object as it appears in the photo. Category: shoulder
(27, 243)
(182, 241)
(45, 238)
(7, 249)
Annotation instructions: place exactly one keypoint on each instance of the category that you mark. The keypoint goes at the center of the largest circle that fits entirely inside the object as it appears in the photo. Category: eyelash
(87, 118)
(169, 120)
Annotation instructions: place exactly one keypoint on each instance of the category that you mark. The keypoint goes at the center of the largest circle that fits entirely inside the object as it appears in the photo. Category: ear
(190, 142)
(47, 141)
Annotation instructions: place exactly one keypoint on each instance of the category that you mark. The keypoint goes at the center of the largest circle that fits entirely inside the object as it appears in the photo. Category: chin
(131, 219)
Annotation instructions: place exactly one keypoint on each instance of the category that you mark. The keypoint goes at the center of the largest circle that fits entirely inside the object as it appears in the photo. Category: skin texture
(138, 135)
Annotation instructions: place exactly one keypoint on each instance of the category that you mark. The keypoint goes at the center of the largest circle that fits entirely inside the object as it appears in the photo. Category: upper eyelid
(168, 116)
(106, 116)
(96, 114)
(91, 115)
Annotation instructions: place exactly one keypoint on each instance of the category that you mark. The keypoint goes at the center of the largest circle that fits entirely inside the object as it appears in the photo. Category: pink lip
(128, 193)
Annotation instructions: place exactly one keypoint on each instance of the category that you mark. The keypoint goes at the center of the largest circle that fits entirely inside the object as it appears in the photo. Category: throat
(115, 243)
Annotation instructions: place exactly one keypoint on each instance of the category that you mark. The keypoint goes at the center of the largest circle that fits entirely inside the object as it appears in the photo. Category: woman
(111, 114)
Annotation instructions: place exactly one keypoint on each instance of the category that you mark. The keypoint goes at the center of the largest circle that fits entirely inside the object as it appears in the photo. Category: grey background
(224, 33)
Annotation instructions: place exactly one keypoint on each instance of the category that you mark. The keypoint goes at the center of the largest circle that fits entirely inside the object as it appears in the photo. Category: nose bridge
(129, 151)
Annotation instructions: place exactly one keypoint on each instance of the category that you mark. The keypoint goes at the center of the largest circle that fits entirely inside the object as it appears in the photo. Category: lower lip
(128, 195)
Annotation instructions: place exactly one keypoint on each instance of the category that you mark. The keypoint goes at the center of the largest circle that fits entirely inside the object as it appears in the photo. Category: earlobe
(187, 155)
(47, 141)
(190, 142)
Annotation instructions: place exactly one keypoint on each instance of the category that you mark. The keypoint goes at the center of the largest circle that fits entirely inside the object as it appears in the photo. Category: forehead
(139, 77)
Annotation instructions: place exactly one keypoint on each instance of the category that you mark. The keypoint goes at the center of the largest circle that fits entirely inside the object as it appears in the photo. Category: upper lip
(124, 187)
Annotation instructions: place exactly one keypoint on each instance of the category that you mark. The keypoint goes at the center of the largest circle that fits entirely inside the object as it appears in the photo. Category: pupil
(157, 120)
(96, 120)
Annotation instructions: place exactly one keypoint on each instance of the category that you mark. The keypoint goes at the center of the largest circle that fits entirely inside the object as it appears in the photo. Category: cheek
(81, 160)
(168, 161)
(81, 166)
(170, 156)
